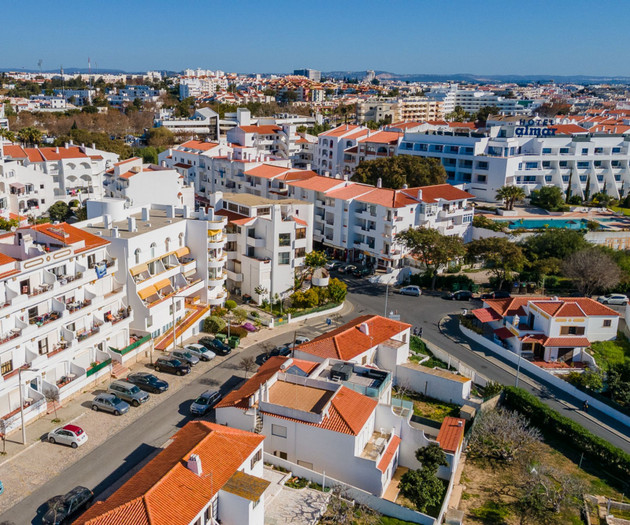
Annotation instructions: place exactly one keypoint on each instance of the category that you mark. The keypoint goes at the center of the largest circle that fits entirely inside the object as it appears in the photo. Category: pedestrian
(420, 332)
(415, 330)
(585, 405)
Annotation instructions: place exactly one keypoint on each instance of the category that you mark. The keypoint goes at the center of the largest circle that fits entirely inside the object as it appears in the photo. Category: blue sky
(558, 37)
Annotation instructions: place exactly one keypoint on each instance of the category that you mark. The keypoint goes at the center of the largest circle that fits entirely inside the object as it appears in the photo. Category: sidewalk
(24, 468)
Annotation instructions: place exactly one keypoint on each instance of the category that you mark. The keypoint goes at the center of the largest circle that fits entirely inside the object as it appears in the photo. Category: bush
(213, 324)
(219, 311)
(443, 282)
(554, 425)
(481, 221)
(237, 331)
(230, 305)
(240, 314)
(492, 389)
(337, 290)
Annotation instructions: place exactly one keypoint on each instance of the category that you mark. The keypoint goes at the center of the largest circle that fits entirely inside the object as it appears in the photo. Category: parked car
(128, 392)
(171, 366)
(69, 435)
(185, 357)
(363, 271)
(218, 347)
(613, 298)
(200, 352)
(348, 268)
(334, 265)
(205, 402)
(283, 351)
(497, 294)
(298, 341)
(148, 382)
(110, 403)
(460, 295)
(410, 290)
(61, 509)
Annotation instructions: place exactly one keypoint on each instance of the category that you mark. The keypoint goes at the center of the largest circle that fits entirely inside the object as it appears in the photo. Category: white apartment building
(202, 86)
(374, 145)
(267, 240)
(204, 122)
(332, 144)
(527, 156)
(360, 222)
(64, 306)
(419, 109)
(471, 100)
(172, 259)
(35, 178)
(145, 184)
(78, 97)
(127, 95)
(377, 110)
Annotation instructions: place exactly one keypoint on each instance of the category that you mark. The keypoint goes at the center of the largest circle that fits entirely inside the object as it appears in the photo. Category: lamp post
(386, 295)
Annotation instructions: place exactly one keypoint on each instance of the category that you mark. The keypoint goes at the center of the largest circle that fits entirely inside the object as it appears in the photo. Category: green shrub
(481, 221)
(237, 331)
(492, 389)
(443, 282)
(240, 314)
(219, 311)
(213, 324)
(230, 304)
(492, 512)
(554, 425)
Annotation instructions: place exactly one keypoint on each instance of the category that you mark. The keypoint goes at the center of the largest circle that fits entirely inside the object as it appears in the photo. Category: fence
(100, 366)
(383, 506)
(546, 377)
(132, 346)
(462, 368)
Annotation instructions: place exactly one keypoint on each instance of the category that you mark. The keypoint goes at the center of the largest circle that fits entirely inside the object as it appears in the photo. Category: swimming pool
(534, 224)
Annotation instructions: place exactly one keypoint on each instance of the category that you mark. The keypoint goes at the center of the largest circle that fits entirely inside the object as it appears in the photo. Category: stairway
(119, 370)
(259, 424)
(195, 313)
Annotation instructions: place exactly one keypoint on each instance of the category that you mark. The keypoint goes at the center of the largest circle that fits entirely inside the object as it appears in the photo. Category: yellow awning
(147, 292)
(162, 284)
(182, 251)
(212, 233)
(139, 269)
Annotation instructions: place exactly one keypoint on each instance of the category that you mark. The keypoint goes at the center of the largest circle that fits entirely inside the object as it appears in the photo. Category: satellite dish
(13, 228)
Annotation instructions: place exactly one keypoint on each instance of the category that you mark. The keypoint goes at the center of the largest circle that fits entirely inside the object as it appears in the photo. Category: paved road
(427, 311)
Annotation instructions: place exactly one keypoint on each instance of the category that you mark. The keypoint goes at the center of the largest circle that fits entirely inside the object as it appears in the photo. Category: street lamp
(22, 403)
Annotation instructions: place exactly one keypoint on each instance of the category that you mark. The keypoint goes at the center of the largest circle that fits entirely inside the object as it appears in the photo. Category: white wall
(432, 385)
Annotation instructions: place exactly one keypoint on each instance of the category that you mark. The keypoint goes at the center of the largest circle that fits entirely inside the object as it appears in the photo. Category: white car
(613, 298)
(71, 435)
(410, 290)
(200, 351)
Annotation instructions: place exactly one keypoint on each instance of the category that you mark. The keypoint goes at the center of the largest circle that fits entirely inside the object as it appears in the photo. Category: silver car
(128, 392)
(613, 298)
(185, 357)
(200, 351)
(205, 402)
(71, 435)
(110, 403)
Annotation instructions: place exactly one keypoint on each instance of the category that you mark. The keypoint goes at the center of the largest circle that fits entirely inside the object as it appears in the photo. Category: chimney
(460, 423)
(163, 164)
(405, 187)
(194, 464)
(186, 212)
(115, 232)
(107, 221)
(131, 224)
(57, 149)
(419, 195)
(93, 145)
(170, 211)
(364, 328)
(379, 183)
(66, 145)
(145, 213)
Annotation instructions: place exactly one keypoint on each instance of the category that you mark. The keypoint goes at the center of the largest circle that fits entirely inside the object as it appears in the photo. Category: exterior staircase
(119, 370)
(193, 315)
(259, 424)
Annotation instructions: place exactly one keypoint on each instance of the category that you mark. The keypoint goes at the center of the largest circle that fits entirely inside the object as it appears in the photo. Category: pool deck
(608, 219)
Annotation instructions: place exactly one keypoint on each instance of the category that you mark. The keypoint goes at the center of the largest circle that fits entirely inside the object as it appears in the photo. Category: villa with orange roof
(549, 329)
(206, 474)
(63, 307)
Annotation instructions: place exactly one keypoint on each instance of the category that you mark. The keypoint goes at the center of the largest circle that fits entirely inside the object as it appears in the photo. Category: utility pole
(386, 295)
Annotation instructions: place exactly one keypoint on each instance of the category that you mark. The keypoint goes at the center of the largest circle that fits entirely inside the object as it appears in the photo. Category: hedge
(443, 282)
(238, 331)
(552, 424)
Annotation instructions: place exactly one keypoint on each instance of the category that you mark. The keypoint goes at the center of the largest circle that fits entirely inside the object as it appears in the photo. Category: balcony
(256, 242)
(217, 300)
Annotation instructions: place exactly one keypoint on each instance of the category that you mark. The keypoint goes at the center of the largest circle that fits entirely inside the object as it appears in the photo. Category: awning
(182, 251)
(162, 284)
(214, 232)
(136, 270)
(503, 333)
(573, 342)
(16, 185)
(147, 292)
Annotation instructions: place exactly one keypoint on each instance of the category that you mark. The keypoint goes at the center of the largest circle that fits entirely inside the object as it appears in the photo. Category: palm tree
(7, 135)
(31, 136)
(509, 195)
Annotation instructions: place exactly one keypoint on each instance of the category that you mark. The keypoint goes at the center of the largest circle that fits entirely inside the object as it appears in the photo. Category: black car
(498, 294)
(283, 351)
(461, 295)
(61, 509)
(148, 382)
(363, 271)
(215, 345)
(172, 366)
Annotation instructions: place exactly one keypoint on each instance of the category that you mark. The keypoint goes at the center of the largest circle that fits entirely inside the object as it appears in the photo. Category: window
(6, 367)
(584, 151)
(571, 330)
(256, 458)
(284, 257)
(42, 344)
(305, 464)
(546, 150)
(607, 323)
(481, 178)
(300, 252)
(284, 239)
(300, 233)
(279, 431)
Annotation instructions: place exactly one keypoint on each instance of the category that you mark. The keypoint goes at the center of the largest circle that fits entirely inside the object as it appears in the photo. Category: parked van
(128, 392)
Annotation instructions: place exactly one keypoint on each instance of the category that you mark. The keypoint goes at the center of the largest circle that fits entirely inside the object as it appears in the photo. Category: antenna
(39, 63)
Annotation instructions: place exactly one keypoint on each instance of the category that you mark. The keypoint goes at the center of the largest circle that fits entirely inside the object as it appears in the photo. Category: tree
(247, 364)
(30, 135)
(395, 172)
(337, 290)
(510, 195)
(458, 115)
(432, 248)
(213, 324)
(422, 487)
(7, 135)
(59, 211)
(484, 113)
(502, 435)
(149, 155)
(432, 457)
(619, 382)
(261, 291)
(315, 259)
(589, 379)
(592, 270)
(556, 243)
(549, 198)
(502, 257)
(52, 396)
(160, 137)
(230, 304)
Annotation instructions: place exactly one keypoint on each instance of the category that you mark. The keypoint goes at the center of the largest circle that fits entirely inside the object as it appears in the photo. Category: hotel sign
(535, 128)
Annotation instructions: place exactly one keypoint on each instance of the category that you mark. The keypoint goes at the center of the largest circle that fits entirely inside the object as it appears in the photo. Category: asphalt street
(108, 466)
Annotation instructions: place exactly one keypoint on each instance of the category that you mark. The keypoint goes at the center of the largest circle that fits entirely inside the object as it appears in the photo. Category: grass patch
(625, 211)
(608, 353)
(296, 483)
(492, 512)
(428, 407)
(419, 351)
(388, 520)
(418, 346)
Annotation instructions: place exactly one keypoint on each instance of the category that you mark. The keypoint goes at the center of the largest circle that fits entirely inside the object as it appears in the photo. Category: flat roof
(246, 486)
(247, 199)
(157, 219)
(299, 397)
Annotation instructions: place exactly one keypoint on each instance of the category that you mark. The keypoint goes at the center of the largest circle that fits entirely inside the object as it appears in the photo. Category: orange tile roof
(568, 129)
(436, 192)
(580, 342)
(267, 171)
(347, 414)
(404, 125)
(34, 155)
(390, 451)
(351, 191)
(299, 221)
(509, 306)
(468, 125)
(71, 152)
(14, 151)
(72, 235)
(298, 175)
(319, 183)
(165, 491)
(348, 341)
(5, 259)
(573, 307)
(198, 145)
(486, 315)
(339, 131)
(503, 333)
(383, 137)
(261, 130)
(451, 434)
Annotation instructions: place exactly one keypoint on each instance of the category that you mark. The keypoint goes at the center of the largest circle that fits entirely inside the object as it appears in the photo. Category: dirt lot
(490, 490)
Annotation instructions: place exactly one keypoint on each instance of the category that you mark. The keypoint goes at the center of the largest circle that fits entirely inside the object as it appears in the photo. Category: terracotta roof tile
(69, 234)
(14, 151)
(267, 171)
(451, 434)
(198, 145)
(389, 454)
(319, 183)
(486, 315)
